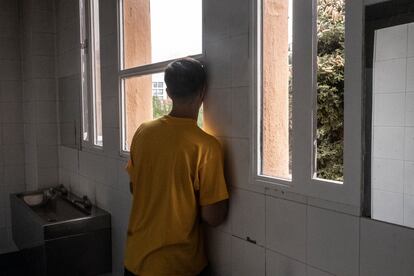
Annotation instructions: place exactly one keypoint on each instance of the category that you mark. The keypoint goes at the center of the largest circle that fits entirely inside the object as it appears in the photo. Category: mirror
(69, 111)
(389, 103)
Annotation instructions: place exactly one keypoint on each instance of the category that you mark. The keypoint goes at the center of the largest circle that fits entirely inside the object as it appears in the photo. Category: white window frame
(304, 94)
(141, 70)
(89, 89)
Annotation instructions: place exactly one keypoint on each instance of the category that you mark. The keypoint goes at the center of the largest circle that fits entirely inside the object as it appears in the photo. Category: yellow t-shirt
(175, 167)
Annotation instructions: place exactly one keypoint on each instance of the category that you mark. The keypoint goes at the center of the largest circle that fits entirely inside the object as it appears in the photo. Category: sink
(61, 233)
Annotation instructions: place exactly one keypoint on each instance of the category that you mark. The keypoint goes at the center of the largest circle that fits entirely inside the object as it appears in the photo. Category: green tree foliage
(330, 112)
(160, 107)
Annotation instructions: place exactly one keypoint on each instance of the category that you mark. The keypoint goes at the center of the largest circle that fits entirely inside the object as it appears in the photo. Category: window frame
(141, 70)
(304, 76)
(90, 86)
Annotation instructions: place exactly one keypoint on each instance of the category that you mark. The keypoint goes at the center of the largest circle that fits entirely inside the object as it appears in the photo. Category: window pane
(143, 102)
(392, 166)
(96, 73)
(276, 115)
(330, 89)
(150, 25)
(84, 71)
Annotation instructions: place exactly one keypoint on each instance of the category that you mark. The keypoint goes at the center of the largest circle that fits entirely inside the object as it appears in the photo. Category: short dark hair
(184, 78)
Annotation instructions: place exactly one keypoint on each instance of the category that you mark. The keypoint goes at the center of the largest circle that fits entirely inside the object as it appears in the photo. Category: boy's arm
(213, 194)
(215, 214)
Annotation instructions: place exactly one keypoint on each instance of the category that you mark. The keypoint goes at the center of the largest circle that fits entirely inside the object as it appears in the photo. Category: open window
(146, 26)
(301, 99)
(90, 74)
(389, 168)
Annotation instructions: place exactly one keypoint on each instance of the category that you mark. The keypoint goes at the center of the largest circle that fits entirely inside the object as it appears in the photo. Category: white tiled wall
(12, 159)
(393, 132)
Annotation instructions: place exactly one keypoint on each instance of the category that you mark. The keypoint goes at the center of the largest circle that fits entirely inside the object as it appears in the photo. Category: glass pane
(276, 115)
(84, 70)
(148, 25)
(392, 144)
(142, 102)
(330, 89)
(96, 74)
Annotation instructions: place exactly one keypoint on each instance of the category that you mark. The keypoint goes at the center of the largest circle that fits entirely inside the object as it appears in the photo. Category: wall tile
(279, 265)
(10, 91)
(69, 63)
(43, 44)
(286, 227)
(10, 48)
(219, 251)
(388, 175)
(389, 109)
(409, 109)
(409, 144)
(217, 19)
(10, 69)
(247, 259)
(13, 134)
(68, 38)
(240, 16)
(387, 206)
(410, 50)
(47, 156)
(240, 61)
(47, 134)
(410, 74)
(42, 21)
(43, 89)
(390, 76)
(409, 210)
(46, 112)
(13, 155)
(14, 175)
(47, 177)
(218, 114)
(388, 142)
(11, 113)
(391, 43)
(218, 61)
(241, 112)
(42, 67)
(408, 178)
(333, 241)
(8, 25)
(386, 249)
(247, 215)
(311, 271)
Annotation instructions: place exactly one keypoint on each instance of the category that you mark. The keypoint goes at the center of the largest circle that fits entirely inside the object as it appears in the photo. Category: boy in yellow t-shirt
(177, 181)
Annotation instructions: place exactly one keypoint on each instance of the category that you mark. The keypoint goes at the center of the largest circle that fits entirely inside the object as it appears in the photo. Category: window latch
(84, 44)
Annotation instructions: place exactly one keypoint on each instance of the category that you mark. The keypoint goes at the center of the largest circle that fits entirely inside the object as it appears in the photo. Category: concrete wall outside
(137, 49)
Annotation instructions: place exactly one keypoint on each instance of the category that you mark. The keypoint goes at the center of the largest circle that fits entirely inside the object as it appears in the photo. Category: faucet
(85, 202)
(62, 189)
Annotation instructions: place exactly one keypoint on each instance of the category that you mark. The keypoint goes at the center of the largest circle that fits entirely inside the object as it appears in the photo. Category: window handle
(84, 44)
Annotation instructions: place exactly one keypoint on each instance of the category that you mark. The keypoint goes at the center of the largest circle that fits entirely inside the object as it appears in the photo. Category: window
(301, 100)
(276, 89)
(146, 27)
(329, 119)
(90, 73)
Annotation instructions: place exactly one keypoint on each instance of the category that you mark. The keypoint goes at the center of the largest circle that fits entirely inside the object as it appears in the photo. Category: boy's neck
(187, 111)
